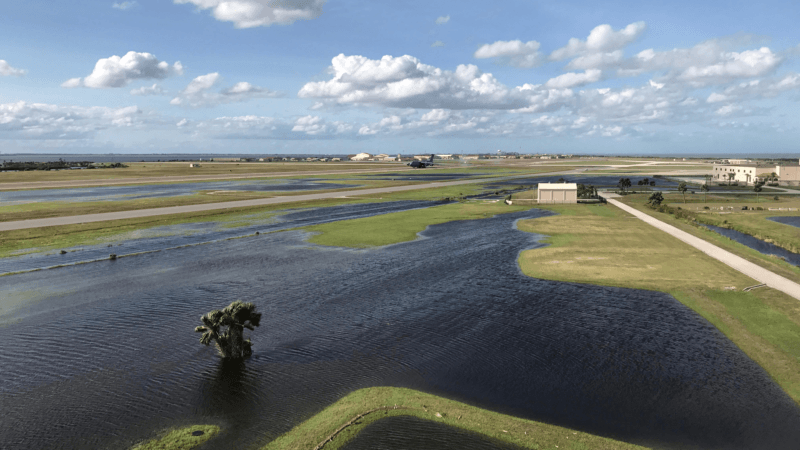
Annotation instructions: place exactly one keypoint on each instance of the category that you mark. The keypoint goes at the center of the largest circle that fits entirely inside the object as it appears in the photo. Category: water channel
(101, 355)
(757, 244)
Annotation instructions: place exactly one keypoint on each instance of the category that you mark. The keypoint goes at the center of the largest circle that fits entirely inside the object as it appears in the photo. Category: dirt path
(156, 180)
(744, 266)
(71, 220)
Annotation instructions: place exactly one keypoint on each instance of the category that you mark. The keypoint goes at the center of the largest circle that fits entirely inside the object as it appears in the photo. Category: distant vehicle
(421, 164)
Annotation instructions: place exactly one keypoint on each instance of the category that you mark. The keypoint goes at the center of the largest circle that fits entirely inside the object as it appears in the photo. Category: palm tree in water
(226, 329)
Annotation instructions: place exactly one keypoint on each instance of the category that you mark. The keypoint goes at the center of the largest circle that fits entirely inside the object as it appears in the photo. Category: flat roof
(551, 186)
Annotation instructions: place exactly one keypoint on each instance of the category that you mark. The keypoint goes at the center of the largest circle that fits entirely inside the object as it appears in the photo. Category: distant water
(120, 157)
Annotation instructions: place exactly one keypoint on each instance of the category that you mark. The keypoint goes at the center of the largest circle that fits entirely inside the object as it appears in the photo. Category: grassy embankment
(180, 439)
(504, 428)
(751, 222)
(758, 222)
(601, 244)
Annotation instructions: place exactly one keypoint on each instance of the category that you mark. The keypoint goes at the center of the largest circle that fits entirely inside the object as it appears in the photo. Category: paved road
(71, 220)
(742, 265)
(174, 179)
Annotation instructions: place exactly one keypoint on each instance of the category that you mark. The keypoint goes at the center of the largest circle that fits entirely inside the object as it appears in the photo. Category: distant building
(788, 174)
(558, 193)
(361, 157)
(742, 173)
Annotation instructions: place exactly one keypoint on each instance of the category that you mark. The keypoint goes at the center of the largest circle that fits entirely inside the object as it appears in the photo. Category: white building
(742, 173)
(361, 157)
(558, 193)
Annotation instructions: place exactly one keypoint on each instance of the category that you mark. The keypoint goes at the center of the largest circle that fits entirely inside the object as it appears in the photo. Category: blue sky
(340, 76)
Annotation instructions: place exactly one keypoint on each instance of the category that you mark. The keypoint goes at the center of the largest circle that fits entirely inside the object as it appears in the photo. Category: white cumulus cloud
(117, 71)
(124, 5)
(405, 82)
(155, 89)
(572, 79)
(602, 38)
(24, 120)
(198, 92)
(257, 13)
(7, 70)
(514, 53)
(441, 20)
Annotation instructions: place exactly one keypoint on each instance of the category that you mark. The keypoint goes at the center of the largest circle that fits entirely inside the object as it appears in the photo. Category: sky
(408, 76)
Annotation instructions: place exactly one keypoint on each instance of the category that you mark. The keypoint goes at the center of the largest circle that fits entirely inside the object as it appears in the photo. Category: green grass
(601, 244)
(402, 226)
(507, 429)
(49, 238)
(180, 439)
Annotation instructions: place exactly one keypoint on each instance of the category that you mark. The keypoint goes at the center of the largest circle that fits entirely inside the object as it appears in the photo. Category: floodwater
(757, 244)
(117, 193)
(406, 432)
(172, 236)
(103, 354)
(787, 220)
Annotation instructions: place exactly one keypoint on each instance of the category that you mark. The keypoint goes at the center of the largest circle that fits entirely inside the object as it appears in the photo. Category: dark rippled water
(789, 220)
(757, 244)
(405, 432)
(102, 354)
(117, 193)
(172, 236)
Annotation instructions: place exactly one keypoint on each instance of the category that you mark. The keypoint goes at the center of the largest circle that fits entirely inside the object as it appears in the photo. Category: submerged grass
(402, 226)
(49, 238)
(180, 438)
(390, 401)
(601, 244)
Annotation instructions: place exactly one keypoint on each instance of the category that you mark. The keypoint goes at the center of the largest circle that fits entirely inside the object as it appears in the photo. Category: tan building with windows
(558, 193)
(744, 173)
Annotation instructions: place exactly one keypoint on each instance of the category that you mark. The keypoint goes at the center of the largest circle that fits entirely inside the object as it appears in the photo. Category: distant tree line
(56, 165)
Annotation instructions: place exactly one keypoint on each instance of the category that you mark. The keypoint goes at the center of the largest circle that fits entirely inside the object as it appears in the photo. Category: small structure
(558, 193)
(194, 165)
(361, 157)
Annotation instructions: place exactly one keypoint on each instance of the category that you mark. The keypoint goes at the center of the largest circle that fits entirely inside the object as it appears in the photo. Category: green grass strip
(180, 439)
(316, 432)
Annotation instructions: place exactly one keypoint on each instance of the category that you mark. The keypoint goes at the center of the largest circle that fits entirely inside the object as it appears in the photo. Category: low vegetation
(330, 430)
(181, 439)
(402, 226)
(601, 244)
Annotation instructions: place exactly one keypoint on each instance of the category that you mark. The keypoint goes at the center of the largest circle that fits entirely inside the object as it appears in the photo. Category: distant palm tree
(233, 319)
(682, 189)
(704, 188)
(731, 176)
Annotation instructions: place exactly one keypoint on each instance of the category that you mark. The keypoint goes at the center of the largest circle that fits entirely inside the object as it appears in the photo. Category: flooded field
(757, 244)
(103, 354)
(790, 220)
(594, 180)
(117, 193)
(172, 236)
